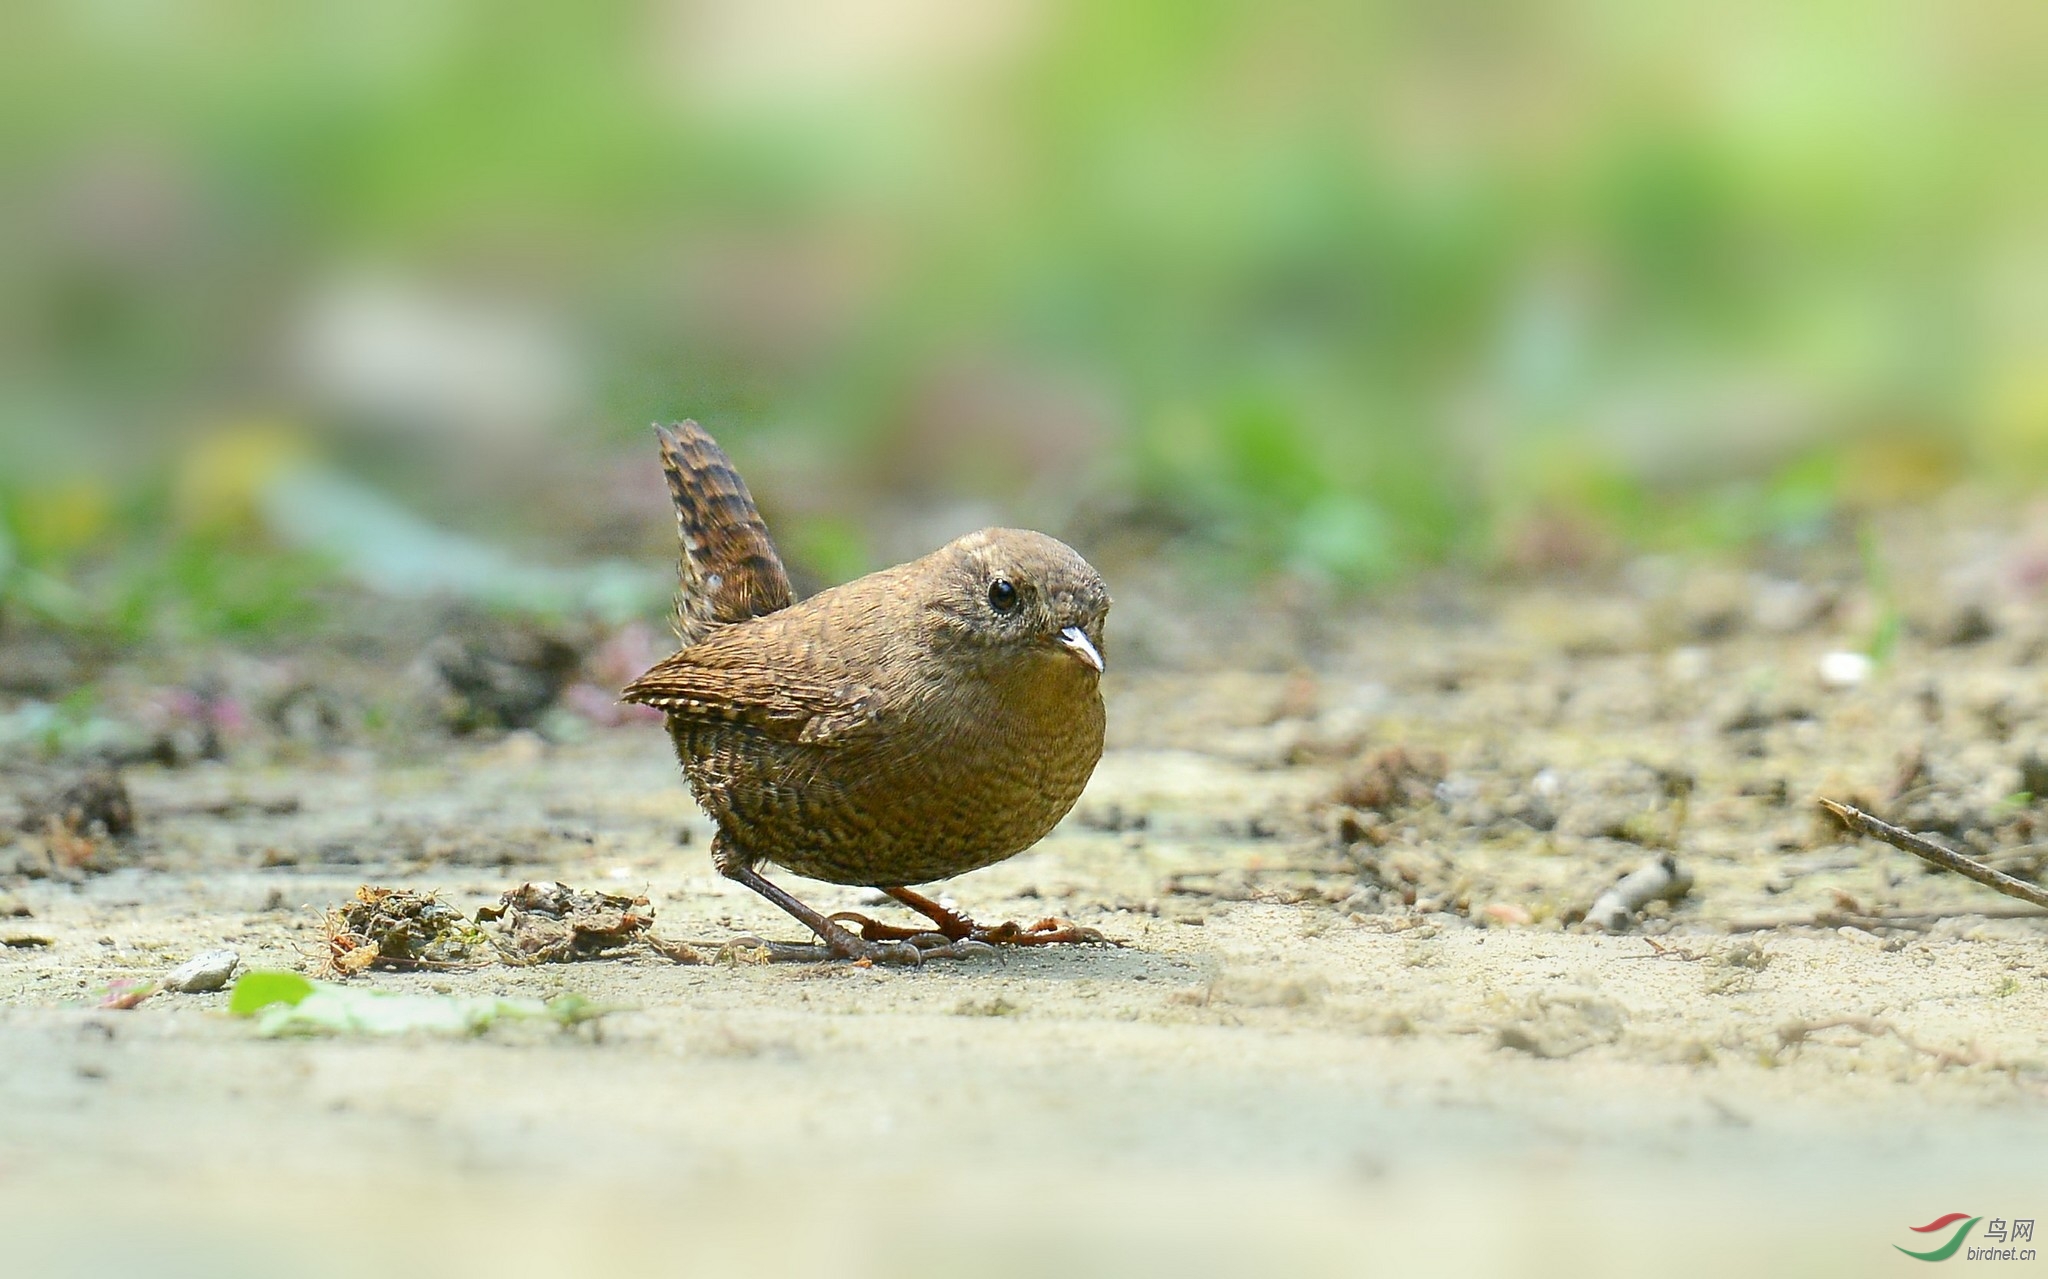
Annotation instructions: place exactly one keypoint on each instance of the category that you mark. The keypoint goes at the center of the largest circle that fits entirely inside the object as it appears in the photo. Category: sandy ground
(1332, 1037)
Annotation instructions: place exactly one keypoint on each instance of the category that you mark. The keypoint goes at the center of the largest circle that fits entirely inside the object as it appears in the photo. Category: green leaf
(260, 988)
(290, 1004)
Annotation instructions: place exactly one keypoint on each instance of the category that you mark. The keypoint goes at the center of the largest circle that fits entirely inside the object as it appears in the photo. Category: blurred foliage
(1877, 579)
(1344, 287)
(190, 584)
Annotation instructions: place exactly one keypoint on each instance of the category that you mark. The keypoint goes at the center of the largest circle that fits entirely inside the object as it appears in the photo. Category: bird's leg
(959, 928)
(950, 922)
(951, 926)
(842, 944)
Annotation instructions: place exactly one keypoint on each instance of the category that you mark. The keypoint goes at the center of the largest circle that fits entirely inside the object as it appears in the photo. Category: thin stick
(1799, 1031)
(1920, 846)
(1921, 919)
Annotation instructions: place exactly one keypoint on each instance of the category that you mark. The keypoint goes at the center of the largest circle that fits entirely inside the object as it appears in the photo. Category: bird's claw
(964, 931)
(1046, 932)
(876, 930)
(899, 953)
(888, 944)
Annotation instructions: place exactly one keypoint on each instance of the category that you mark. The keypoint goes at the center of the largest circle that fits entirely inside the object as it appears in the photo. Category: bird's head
(1006, 593)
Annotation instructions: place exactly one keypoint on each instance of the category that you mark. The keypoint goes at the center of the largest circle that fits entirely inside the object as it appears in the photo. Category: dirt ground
(1350, 1021)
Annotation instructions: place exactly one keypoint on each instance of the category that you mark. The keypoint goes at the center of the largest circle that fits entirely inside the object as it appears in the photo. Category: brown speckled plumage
(729, 568)
(915, 724)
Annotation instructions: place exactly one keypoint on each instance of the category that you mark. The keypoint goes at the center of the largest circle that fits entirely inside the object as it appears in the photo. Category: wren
(911, 725)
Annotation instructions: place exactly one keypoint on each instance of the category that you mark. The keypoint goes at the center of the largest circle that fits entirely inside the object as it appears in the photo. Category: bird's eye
(1002, 596)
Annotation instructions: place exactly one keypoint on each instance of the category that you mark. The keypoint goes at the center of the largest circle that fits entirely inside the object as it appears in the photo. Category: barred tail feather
(729, 569)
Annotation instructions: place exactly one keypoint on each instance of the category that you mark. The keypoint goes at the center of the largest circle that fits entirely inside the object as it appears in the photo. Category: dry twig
(1660, 951)
(1870, 923)
(1799, 1031)
(1920, 846)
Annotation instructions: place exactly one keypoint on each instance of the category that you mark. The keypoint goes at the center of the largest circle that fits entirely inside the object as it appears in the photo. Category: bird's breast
(952, 775)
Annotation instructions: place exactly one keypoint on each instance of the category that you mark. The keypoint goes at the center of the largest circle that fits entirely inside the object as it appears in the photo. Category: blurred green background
(1327, 289)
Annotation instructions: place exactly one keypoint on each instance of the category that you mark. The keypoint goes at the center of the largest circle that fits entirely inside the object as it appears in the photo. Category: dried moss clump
(554, 923)
(400, 928)
(81, 825)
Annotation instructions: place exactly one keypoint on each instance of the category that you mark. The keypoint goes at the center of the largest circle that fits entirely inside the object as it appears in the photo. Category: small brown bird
(915, 724)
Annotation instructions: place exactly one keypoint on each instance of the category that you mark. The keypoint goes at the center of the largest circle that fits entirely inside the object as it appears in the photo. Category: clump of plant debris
(1384, 784)
(553, 923)
(1390, 780)
(80, 824)
(400, 928)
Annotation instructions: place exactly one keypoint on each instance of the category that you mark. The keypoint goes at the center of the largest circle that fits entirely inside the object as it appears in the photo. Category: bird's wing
(722, 681)
(729, 568)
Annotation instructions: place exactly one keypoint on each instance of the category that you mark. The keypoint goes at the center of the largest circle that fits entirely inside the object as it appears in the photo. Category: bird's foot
(836, 943)
(843, 946)
(876, 930)
(954, 936)
(953, 924)
(904, 952)
(958, 930)
(1046, 932)
(899, 943)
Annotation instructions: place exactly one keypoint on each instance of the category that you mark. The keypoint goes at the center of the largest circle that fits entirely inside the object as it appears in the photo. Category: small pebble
(203, 972)
(1844, 670)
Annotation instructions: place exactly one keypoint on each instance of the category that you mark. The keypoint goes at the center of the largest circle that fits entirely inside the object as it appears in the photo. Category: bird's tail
(729, 568)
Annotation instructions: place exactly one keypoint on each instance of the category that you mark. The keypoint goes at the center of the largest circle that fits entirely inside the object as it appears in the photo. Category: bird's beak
(1076, 640)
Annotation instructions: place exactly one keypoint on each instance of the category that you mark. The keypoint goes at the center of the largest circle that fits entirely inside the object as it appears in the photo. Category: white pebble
(1844, 670)
(208, 971)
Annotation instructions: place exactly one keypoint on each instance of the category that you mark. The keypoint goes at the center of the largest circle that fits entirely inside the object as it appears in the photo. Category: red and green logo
(1955, 1240)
